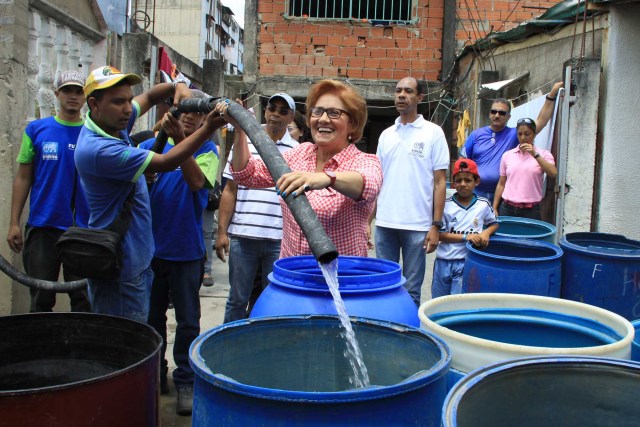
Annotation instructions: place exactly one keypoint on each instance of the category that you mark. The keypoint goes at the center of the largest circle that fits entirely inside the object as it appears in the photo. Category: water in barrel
(353, 353)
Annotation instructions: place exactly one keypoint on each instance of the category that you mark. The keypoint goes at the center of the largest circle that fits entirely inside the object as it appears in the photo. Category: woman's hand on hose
(297, 183)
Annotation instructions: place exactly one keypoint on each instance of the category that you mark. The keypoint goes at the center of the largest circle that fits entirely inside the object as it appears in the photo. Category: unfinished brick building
(371, 44)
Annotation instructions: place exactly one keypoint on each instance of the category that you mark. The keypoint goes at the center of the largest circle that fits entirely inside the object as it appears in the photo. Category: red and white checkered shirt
(344, 219)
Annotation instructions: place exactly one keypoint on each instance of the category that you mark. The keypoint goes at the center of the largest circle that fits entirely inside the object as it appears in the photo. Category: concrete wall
(582, 149)
(181, 24)
(13, 76)
(619, 183)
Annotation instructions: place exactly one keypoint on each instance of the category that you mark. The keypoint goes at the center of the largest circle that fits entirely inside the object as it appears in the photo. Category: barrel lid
(354, 273)
(602, 244)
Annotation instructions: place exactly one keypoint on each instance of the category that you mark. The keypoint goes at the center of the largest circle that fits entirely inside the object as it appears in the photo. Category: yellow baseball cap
(107, 76)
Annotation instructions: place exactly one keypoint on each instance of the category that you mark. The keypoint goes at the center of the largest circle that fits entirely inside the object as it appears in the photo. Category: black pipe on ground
(321, 245)
(44, 285)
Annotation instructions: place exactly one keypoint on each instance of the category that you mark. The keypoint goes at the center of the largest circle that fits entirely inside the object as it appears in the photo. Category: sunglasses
(332, 113)
(283, 111)
(527, 122)
(499, 112)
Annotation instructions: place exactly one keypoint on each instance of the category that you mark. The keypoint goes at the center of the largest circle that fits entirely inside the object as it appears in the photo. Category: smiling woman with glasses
(522, 169)
(341, 182)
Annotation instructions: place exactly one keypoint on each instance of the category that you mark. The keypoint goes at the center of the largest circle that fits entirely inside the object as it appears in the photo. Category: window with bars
(385, 11)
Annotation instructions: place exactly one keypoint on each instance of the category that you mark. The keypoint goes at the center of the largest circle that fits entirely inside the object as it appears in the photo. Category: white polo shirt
(409, 155)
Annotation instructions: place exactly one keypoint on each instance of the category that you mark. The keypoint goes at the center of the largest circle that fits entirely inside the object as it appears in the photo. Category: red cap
(465, 165)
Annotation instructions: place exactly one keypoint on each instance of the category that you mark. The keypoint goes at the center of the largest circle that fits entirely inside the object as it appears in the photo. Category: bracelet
(464, 236)
(550, 98)
(536, 156)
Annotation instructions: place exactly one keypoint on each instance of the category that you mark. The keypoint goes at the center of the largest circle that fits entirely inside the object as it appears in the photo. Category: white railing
(53, 48)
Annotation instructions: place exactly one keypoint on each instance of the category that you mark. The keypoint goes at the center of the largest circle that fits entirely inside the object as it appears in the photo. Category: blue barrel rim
(439, 370)
(599, 251)
(528, 243)
(552, 230)
(384, 274)
(457, 392)
(105, 377)
(635, 344)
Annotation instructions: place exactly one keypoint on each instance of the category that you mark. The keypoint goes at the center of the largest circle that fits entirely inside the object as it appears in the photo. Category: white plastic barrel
(483, 329)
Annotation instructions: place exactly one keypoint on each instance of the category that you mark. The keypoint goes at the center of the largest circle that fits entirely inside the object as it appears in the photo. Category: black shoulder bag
(95, 253)
(213, 202)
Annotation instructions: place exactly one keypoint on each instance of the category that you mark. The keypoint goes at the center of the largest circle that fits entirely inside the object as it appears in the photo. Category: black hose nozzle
(198, 105)
(321, 245)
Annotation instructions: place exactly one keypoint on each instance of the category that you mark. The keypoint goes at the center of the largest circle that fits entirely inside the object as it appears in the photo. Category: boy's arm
(481, 240)
(447, 237)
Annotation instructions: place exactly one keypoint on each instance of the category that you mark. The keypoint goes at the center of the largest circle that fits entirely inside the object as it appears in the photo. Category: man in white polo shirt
(414, 157)
(250, 219)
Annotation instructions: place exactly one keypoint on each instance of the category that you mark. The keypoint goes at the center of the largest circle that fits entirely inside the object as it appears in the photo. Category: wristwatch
(536, 156)
(438, 224)
(177, 81)
(332, 176)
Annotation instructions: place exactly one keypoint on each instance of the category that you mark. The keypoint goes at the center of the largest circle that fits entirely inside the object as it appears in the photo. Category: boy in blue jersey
(110, 168)
(47, 171)
(464, 219)
(178, 199)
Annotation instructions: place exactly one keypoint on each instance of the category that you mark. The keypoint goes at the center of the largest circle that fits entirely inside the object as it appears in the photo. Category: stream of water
(353, 354)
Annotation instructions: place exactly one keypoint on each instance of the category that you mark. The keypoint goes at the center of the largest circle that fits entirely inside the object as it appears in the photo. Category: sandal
(207, 280)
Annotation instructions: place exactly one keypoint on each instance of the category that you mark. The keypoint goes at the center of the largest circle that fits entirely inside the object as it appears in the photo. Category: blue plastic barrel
(370, 287)
(524, 228)
(291, 371)
(565, 391)
(602, 270)
(635, 346)
(514, 266)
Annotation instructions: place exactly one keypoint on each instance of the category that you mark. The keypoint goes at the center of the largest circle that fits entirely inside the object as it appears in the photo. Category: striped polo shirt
(258, 214)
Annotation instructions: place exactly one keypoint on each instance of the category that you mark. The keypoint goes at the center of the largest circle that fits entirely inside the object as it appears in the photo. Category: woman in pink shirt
(341, 182)
(522, 169)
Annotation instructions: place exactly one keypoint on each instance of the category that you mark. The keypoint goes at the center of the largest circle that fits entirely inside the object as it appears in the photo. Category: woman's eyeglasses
(499, 112)
(283, 111)
(332, 113)
(526, 122)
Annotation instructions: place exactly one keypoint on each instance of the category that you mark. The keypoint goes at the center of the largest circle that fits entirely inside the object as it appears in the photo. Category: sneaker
(207, 280)
(184, 401)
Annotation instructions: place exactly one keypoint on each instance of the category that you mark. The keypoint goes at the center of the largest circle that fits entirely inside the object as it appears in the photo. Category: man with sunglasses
(486, 145)
(250, 219)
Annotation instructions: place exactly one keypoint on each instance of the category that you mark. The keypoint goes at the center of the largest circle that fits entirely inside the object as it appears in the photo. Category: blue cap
(289, 100)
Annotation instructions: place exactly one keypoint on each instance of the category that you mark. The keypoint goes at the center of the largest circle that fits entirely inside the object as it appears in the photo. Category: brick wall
(326, 48)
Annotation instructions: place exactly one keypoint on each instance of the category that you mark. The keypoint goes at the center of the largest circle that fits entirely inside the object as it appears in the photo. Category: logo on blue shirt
(50, 151)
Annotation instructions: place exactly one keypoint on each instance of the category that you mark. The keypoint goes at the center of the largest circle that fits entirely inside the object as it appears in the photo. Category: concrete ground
(213, 300)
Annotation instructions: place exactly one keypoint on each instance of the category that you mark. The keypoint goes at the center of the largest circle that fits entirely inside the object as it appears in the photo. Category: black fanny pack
(90, 253)
(95, 253)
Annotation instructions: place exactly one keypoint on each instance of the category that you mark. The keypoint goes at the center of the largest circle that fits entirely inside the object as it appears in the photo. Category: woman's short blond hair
(354, 103)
